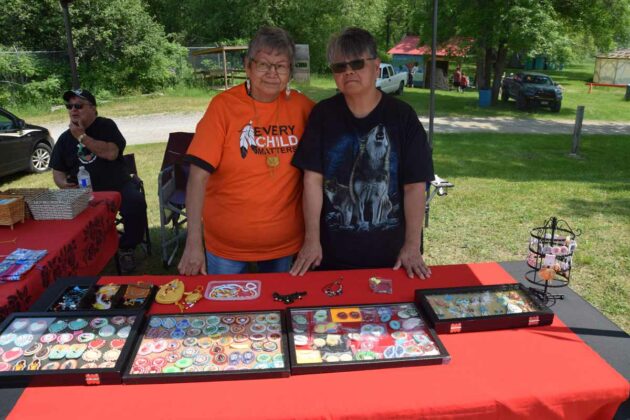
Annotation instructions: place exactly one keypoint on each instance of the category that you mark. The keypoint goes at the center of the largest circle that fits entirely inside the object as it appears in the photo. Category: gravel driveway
(154, 128)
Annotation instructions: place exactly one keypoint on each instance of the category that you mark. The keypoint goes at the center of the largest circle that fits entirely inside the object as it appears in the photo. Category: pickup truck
(531, 90)
(389, 81)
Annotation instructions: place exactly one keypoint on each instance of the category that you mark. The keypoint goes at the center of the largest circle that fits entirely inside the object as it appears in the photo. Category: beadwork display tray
(89, 296)
(78, 348)
(482, 308)
(355, 337)
(208, 347)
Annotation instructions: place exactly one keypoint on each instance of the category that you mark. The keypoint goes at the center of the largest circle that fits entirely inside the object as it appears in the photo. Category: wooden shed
(410, 51)
(613, 68)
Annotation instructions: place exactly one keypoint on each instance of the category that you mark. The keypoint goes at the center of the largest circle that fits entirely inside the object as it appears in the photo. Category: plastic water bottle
(83, 177)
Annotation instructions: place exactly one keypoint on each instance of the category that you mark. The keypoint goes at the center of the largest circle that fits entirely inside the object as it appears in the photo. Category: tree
(532, 27)
(119, 46)
(25, 78)
(210, 22)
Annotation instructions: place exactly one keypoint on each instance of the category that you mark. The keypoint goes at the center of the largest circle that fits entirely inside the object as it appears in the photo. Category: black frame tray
(335, 366)
(74, 376)
(53, 292)
(250, 373)
(542, 316)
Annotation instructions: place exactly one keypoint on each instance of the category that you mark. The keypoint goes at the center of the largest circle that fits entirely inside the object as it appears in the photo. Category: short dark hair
(351, 43)
(274, 39)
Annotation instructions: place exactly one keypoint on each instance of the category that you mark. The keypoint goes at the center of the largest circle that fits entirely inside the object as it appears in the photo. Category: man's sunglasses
(75, 106)
(354, 65)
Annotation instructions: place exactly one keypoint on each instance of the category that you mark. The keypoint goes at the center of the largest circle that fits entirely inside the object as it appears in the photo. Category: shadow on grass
(610, 207)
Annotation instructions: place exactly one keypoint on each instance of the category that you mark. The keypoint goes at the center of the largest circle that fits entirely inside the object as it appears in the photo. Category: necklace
(247, 136)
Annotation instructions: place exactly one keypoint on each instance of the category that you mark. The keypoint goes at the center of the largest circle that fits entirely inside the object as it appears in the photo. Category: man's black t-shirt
(106, 175)
(366, 163)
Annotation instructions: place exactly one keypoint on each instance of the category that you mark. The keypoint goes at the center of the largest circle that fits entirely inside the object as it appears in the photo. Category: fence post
(577, 130)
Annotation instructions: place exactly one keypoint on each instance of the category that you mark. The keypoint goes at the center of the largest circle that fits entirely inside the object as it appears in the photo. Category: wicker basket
(59, 204)
(11, 209)
(28, 194)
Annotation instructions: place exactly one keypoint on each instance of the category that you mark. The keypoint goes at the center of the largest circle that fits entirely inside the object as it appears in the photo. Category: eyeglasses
(354, 65)
(264, 67)
(75, 106)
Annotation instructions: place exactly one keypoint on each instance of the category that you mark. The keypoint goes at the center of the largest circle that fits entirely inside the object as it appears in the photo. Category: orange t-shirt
(253, 204)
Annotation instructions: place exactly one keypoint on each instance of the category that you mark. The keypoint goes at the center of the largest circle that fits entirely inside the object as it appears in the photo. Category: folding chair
(439, 187)
(172, 181)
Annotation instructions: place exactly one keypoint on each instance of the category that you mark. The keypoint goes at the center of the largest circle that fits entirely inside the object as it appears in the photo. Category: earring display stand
(550, 257)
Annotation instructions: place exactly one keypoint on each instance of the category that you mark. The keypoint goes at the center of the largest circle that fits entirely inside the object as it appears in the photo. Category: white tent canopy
(613, 68)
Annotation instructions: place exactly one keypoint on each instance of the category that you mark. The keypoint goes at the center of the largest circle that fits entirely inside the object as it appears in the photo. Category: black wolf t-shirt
(366, 163)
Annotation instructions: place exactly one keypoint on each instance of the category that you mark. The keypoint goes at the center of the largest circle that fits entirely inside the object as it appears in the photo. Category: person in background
(409, 74)
(243, 198)
(366, 162)
(414, 70)
(463, 83)
(457, 78)
(96, 144)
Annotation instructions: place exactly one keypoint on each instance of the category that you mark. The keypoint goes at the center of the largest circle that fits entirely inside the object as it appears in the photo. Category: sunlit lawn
(504, 186)
(603, 103)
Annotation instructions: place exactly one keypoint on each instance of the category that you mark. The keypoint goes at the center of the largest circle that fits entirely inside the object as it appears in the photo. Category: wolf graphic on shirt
(369, 181)
(365, 200)
(341, 200)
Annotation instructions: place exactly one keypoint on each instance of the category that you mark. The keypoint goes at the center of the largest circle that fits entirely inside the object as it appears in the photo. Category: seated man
(96, 143)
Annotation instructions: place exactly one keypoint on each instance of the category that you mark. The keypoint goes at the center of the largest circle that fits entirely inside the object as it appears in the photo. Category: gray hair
(269, 38)
(351, 43)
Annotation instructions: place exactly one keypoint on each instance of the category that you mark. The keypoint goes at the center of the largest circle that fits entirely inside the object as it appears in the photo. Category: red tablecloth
(81, 246)
(533, 373)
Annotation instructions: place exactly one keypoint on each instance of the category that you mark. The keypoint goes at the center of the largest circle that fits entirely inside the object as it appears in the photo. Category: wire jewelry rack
(551, 250)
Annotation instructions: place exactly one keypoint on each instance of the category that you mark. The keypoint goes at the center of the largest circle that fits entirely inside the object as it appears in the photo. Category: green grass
(180, 99)
(603, 104)
(504, 186)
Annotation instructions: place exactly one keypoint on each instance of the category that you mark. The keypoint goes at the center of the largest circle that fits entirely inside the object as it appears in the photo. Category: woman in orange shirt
(242, 187)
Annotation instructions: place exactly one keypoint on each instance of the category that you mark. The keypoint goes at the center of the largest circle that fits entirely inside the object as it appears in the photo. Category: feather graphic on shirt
(247, 139)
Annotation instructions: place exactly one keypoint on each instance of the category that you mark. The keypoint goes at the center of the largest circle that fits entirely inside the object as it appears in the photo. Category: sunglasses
(75, 106)
(354, 65)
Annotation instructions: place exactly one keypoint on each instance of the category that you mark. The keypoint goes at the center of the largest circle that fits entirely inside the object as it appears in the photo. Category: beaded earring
(248, 87)
(287, 91)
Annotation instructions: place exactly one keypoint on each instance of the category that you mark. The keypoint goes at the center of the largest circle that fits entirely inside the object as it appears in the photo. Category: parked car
(389, 81)
(531, 90)
(23, 147)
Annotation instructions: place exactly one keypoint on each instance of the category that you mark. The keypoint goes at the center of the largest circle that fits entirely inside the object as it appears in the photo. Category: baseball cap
(80, 93)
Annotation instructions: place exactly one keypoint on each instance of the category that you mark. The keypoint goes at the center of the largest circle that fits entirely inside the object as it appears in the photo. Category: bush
(26, 79)
(119, 47)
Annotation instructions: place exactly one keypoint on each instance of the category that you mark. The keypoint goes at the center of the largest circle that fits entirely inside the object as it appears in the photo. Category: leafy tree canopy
(119, 46)
(557, 28)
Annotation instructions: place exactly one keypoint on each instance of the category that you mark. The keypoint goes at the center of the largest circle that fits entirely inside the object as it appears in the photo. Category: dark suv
(532, 90)
(23, 147)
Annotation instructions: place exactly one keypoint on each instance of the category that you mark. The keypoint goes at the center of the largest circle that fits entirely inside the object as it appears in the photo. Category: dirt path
(155, 127)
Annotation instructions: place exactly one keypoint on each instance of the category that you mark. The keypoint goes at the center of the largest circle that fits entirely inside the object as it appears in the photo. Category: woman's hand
(310, 256)
(193, 261)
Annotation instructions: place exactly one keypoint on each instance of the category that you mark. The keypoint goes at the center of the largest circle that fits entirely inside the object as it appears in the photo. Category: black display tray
(356, 337)
(54, 291)
(86, 302)
(221, 350)
(114, 334)
(478, 308)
